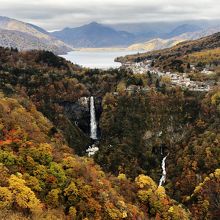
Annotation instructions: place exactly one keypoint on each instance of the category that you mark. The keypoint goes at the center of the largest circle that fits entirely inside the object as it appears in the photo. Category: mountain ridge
(162, 43)
(181, 29)
(94, 35)
(25, 36)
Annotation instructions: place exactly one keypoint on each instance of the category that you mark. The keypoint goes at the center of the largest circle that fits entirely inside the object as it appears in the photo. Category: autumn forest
(45, 170)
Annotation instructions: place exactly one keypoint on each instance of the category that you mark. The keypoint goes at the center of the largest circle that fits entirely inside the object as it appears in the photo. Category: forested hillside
(41, 178)
(44, 133)
(177, 57)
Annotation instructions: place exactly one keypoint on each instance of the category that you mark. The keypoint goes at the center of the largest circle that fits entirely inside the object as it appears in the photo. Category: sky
(57, 14)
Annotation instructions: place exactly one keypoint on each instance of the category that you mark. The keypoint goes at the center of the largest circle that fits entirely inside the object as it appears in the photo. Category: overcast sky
(57, 14)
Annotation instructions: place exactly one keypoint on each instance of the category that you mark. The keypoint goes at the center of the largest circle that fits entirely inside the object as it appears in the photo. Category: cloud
(56, 14)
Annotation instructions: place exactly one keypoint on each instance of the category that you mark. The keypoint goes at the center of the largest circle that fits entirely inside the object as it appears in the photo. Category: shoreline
(99, 49)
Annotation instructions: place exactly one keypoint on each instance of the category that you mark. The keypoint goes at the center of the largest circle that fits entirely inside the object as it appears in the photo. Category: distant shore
(103, 49)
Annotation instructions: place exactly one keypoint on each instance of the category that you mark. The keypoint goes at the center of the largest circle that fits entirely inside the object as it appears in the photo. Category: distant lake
(97, 59)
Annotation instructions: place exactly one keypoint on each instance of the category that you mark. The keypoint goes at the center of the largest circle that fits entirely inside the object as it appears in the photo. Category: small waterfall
(93, 123)
(164, 173)
(161, 150)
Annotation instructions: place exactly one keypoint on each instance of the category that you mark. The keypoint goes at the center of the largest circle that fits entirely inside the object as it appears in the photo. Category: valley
(106, 120)
(109, 117)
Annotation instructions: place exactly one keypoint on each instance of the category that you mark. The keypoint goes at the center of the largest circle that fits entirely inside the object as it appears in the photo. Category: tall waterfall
(93, 123)
(164, 173)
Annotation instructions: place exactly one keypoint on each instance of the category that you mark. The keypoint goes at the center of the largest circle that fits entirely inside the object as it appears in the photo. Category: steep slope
(136, 134)
(40, 176)
(24, 36)
(39, 173)
(94, 35)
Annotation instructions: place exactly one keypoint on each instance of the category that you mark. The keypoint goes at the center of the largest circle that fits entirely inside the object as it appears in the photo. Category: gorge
(110, 110)
(69, 113)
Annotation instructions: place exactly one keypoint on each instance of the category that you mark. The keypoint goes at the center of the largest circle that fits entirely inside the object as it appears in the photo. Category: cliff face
(80, 111)
(78, 114)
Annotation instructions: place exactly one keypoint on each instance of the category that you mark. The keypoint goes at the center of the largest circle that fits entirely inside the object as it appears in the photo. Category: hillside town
(176, 79)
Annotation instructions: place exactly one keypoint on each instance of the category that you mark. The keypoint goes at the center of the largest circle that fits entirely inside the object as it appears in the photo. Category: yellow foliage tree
(23, 196)
(143, 181)
(176, 212)
(166, 80)
(71, 192)
(121, 87)
(72, 212)
(160, 192)
(53, 197)
(122, 176)
(112, 211)
(5, 197)
(215, 99)
(144, 195)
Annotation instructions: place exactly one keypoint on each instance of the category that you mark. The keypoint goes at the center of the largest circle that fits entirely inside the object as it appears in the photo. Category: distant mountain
(199, 34)
(24, 36)
(185, 28)
(159, 29)
(156, 44)
(94, 35)
(159, 43)
(144, 36)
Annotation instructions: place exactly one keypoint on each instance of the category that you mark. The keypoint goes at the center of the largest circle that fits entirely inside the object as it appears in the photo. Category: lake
(97, 59)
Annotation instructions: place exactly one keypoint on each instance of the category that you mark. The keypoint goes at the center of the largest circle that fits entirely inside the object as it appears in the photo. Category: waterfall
(93, 128)
(93, 123)
(164, 173)
(161, 150)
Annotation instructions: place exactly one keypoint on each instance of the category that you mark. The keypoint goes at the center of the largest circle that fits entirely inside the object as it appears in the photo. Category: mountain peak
(94, 35)
(91, 24)
(94, 23)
